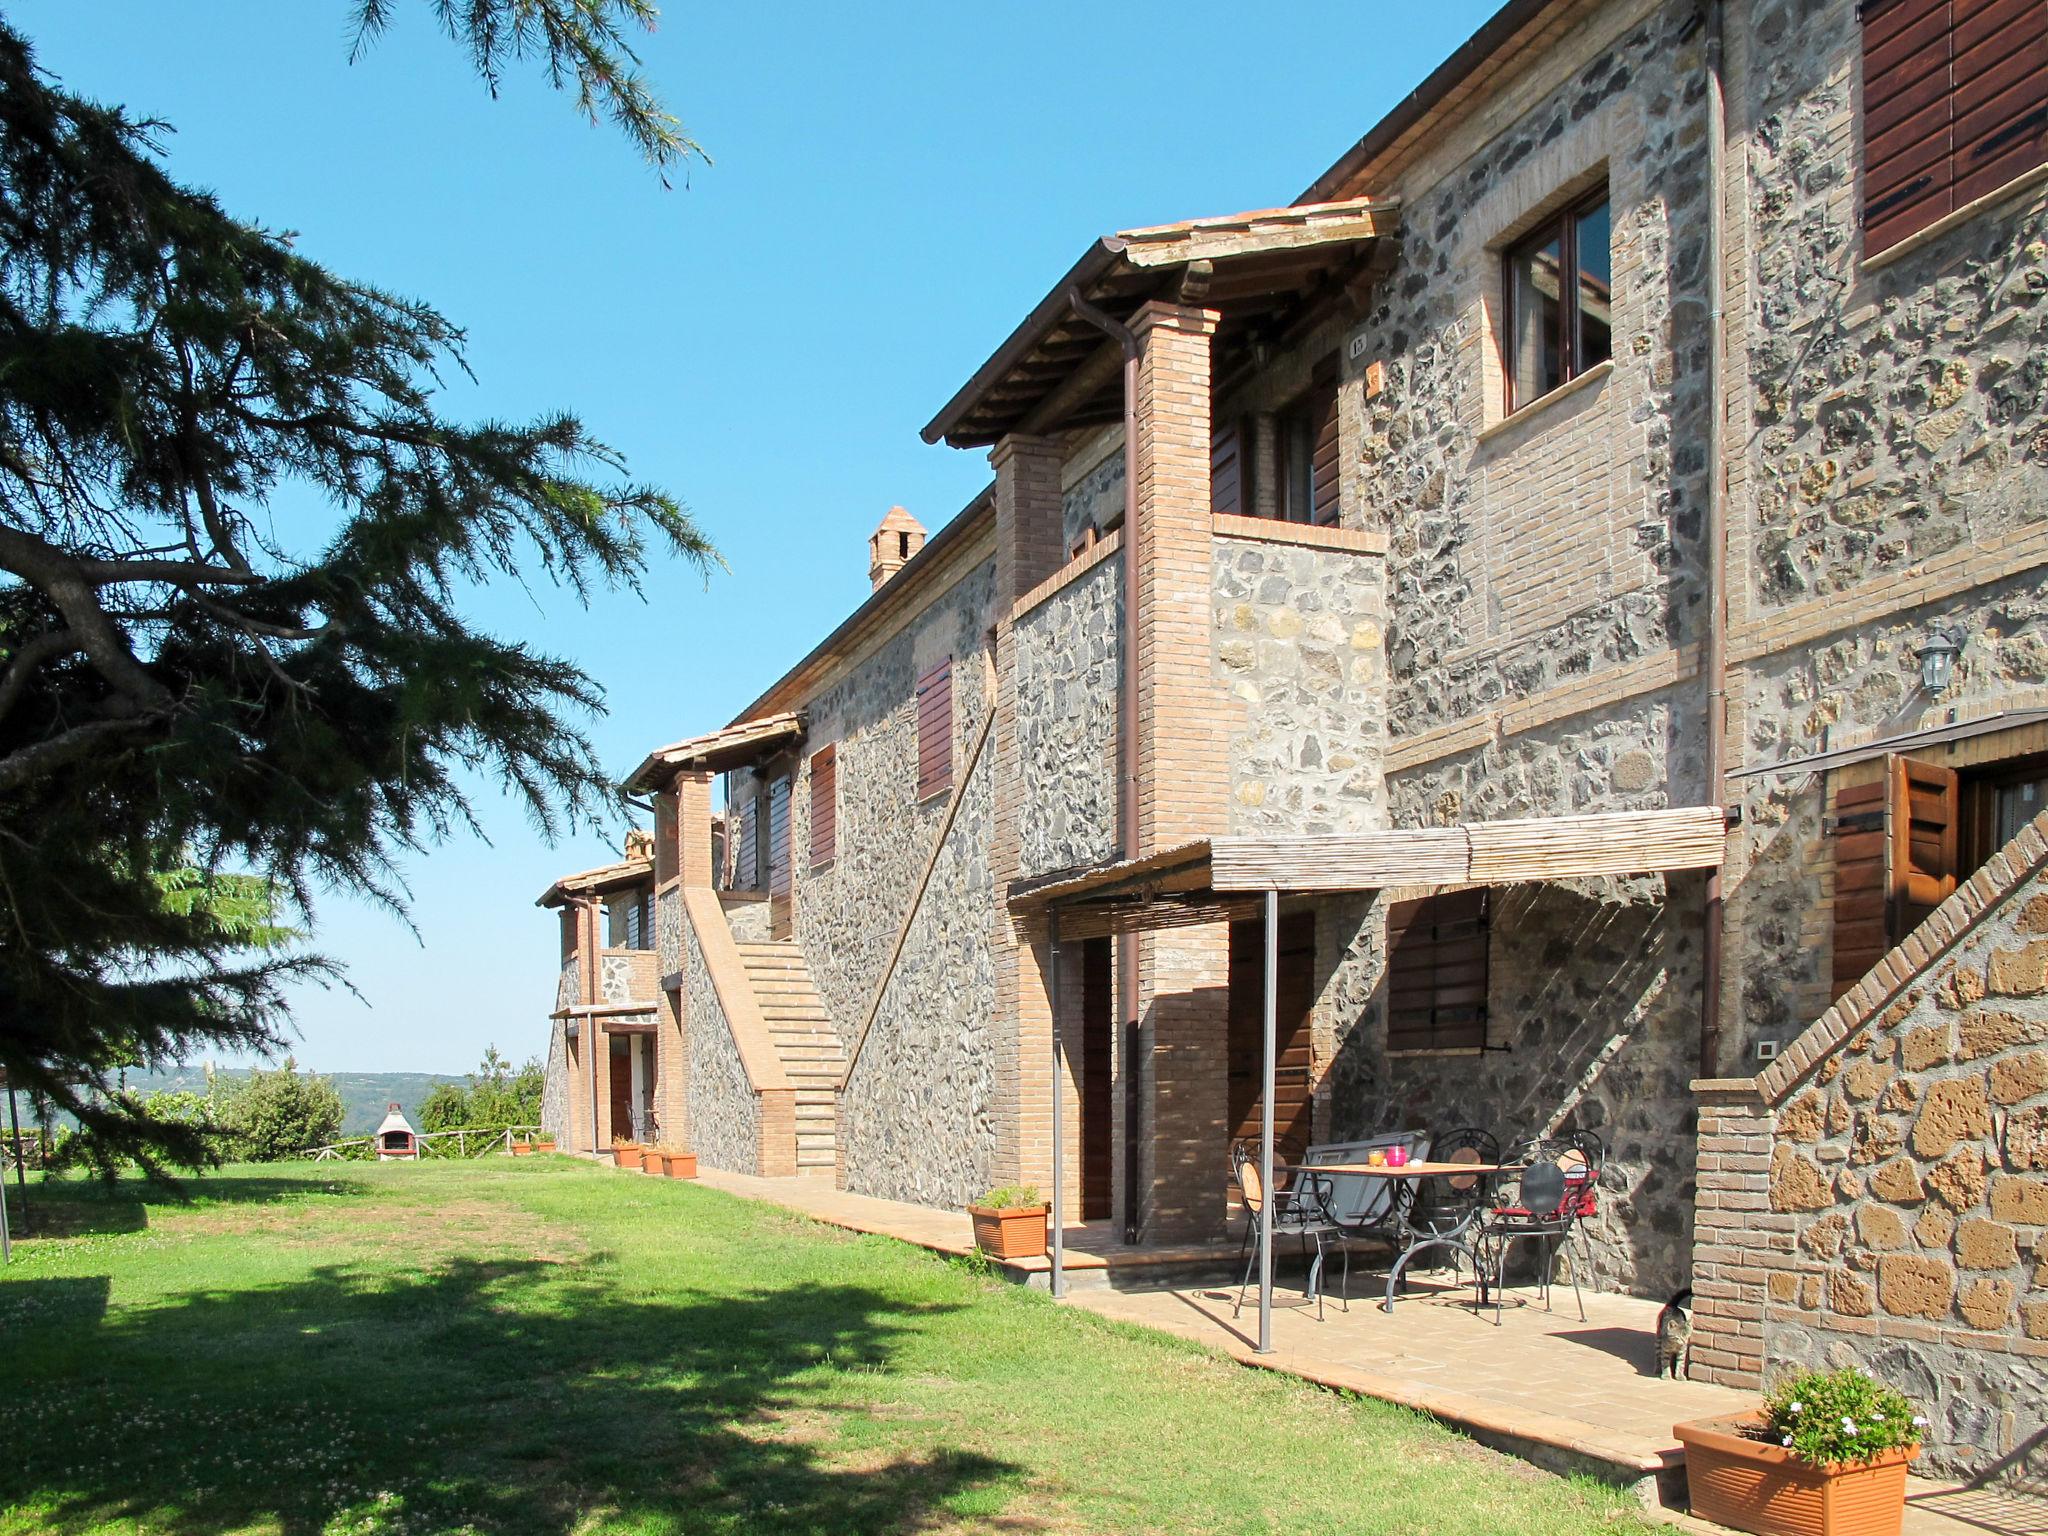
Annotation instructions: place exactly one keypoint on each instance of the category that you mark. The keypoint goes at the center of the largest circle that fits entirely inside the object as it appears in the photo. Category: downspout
(1714, 661)
(1127, 708)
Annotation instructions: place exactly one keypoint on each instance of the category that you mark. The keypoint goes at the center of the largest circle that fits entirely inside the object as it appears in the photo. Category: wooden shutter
(1226, 468)
(1294, 1059)
(935, 730)
(746, 864)
(1955, 105)
(1896, 860)
(778, 838)
(1908, 107)
(1437, 972)
(2001, 93)
(824, 805)
(1323, 465)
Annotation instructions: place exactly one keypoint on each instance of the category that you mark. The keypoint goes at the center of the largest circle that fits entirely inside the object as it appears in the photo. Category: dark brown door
(1097, 1106)
(1296, 992)
(621, 1087)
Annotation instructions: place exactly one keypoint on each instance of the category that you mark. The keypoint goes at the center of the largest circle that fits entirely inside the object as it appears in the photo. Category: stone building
(1650, 412)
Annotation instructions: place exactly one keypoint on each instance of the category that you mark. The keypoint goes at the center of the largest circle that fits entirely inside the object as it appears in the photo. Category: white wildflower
(1849, 1424)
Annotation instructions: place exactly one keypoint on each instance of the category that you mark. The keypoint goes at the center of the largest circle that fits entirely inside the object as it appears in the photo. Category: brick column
(693, 828)
(1028, 549)
(1183, 780)
(1738, 1244)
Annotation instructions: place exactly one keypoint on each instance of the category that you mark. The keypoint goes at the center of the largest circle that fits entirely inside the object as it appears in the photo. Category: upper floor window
(1556, 328)
(1308, 451)
(1955, 105)
(824, 805)
(935, 730)
(629, 920)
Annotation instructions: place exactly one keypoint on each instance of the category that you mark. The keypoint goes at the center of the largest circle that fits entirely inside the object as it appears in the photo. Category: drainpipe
(1714, 660)
(1127, 709)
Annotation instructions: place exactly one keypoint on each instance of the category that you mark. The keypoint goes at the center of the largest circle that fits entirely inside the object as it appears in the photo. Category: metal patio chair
(1557, 1190)
(1364, 1208)
(1444, 1211)
(1299, 1212)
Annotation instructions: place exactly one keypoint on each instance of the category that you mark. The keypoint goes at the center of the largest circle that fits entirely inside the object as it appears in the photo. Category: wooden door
(1098, 1029)
(621, 1084)
(1292, 1088)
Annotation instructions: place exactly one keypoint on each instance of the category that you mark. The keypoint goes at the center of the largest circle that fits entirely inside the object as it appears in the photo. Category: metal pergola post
(1271, 1031)
(1059, 1138)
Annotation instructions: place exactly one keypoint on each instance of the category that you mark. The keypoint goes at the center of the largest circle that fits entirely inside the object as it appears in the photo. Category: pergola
(1221, 879)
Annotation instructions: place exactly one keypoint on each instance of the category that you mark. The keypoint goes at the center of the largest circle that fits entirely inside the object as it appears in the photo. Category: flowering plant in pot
(1826, 1456)
(1009, 1222)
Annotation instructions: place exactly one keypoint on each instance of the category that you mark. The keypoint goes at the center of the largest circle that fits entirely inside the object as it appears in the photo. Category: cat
(1674, 1335)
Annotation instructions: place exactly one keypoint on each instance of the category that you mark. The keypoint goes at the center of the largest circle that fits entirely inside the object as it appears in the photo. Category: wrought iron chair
(1557, 1191)
(1361, 1207)
(1444, 1211)
(1300, 1212)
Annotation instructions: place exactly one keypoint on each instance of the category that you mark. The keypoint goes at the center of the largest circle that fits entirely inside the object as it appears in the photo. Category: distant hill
(365, 1095)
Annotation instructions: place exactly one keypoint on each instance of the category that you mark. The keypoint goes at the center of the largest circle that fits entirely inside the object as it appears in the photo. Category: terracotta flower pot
(544, 1144)
(654, 1163)
(1753, 1486)
(681, 1165)
(522, 1149)
(627, 1154)
(1017, 1232)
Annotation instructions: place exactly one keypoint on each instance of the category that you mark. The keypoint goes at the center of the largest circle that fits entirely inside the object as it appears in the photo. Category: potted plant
(1826, 1456)
(543, 1142)
(675, 1162)
(522, 1148)
(1009, 1223)
(626, 1154)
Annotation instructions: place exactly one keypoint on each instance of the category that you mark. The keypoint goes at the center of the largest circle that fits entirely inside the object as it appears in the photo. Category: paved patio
(1570, 1395)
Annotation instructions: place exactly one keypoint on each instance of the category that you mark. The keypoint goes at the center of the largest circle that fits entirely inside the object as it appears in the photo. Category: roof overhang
(732, 747)
(1904, 741)
(591, 882)
(1211, 879)
(1266, 272)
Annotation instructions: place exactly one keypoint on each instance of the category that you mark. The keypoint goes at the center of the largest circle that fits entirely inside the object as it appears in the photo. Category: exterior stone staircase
(807, 1044)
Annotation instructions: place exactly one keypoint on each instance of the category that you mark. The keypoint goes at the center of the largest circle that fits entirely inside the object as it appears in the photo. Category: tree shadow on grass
(82, 1206)
(517, 1396)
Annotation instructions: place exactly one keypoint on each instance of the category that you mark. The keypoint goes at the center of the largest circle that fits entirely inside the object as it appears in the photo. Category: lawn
(544, 1346)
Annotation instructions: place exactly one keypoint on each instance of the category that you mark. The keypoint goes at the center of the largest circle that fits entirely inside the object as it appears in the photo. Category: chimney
(639, 843)
(891, 545)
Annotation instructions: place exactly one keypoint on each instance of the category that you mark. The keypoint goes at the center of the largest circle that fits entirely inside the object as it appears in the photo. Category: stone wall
(668, 933)
(1298, 640)
(569, 986)
(1068, 655)
(1093, 481)
(1880, 1196)
(917, 1116)
(616, 980)
(554, 1086)
(724, 1111)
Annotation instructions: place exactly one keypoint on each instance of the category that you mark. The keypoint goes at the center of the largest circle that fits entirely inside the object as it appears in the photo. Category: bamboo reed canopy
(1217, 879)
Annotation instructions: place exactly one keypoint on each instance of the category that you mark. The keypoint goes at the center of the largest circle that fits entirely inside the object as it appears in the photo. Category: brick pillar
(1740, 1246)
(1183, 781)
(597, 1056)
(693, 828)
(1028, 549)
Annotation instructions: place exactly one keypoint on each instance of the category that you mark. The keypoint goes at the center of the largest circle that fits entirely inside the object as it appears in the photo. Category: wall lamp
(1937, 655)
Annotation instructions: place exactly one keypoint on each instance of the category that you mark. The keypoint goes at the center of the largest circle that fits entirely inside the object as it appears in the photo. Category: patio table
(1418, 1242)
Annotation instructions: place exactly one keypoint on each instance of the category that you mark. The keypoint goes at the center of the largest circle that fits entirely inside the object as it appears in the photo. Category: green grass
(542, 1346)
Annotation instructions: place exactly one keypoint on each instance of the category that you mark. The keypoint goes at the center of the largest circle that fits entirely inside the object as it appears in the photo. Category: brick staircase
(805, 1041)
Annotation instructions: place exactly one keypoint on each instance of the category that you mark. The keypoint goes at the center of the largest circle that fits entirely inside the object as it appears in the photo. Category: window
(1227, 468)
(1556, 330)
(1436, 972)
(666, 842)
(746, 862)
(824, 805)
(935, 730)
(1955, 105)
(629, 920)
(1896, 859)
(778, 839)
(1308, 451)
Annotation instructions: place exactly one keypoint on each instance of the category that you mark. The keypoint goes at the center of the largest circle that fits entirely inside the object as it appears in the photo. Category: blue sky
(893, 187)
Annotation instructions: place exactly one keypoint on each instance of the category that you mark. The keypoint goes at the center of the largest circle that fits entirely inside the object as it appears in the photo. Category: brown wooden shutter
(746, 865)
(1861, 925)
(824, 805)
(1437, 972)
(1896, 860)
(2001, 92)
(1294, 1056)
(1908, 117)
(1226, 468)
(1323, 466)
(935, 730)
